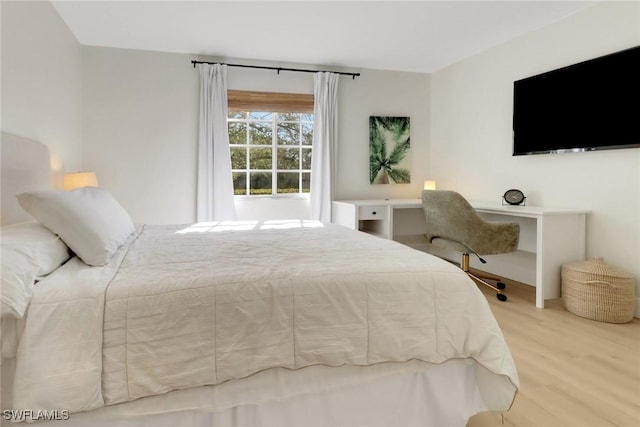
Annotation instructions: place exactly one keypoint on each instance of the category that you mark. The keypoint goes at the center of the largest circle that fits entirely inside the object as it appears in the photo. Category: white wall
(380, 93)
(141, 121)
(471, 132)
(42, 80)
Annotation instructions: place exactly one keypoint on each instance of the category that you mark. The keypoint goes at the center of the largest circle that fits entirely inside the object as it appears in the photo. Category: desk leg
(390, 220)
(540, 263)
(560, 239)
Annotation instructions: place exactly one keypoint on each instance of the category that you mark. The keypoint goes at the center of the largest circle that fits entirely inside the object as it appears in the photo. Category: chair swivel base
(499, 287)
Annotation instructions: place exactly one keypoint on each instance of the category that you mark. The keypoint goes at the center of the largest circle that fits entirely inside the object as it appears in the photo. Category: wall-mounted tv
(592, 105)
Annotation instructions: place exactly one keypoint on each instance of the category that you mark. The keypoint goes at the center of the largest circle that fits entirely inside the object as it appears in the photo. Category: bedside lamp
(79, 179)
(429, 185)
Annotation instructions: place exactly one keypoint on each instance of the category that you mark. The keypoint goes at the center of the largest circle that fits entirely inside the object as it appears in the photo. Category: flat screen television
(592, 105)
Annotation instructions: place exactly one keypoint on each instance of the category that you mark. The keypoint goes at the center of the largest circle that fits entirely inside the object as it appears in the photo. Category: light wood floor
(573, 371)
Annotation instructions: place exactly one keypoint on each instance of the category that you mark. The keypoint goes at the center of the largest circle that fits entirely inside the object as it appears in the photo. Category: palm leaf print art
(389, 144)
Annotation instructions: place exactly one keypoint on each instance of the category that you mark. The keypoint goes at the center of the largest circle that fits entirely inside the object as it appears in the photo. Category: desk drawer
(372, 212)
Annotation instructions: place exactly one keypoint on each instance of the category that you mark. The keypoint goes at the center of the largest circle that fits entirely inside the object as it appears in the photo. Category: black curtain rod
(278, 69)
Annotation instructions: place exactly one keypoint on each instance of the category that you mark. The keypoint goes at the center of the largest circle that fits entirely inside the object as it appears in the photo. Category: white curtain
(215, 186)
(324, 148)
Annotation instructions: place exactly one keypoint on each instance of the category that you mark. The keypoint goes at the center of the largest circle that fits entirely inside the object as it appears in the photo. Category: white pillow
(31, 239)
(89, 220)
(29, 251)
(18, 276)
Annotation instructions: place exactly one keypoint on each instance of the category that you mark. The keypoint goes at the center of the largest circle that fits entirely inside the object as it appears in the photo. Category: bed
(254, 323)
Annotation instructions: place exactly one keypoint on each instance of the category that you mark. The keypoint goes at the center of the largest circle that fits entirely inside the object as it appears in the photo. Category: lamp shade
(429, 185)
(79, 179)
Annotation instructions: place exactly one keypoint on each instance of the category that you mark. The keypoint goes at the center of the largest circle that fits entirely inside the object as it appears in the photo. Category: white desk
(549, 237)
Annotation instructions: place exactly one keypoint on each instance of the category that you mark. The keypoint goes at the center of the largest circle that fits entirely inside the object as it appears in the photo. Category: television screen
(592, 105)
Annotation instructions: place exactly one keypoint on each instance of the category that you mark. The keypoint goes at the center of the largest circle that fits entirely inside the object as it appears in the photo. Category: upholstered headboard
(25, 167)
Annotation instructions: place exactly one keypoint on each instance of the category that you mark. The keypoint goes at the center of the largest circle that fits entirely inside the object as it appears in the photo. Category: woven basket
(596, 290)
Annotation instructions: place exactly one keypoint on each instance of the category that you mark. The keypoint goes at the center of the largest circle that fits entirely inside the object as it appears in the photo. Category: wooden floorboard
(573, 371)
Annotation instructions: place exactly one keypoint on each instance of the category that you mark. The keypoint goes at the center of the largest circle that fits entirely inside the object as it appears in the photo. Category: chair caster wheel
(501, 297)
(501, 285)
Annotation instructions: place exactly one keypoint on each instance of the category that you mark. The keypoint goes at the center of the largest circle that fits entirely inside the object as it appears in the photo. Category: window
(270, 150)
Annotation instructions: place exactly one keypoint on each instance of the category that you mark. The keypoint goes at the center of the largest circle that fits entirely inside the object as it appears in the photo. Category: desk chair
(452, 223)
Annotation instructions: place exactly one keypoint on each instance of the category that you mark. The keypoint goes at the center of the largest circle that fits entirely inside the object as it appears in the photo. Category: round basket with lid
(599, 291)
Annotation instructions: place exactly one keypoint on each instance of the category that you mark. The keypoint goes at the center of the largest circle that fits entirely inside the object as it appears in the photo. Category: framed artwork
(389, 150)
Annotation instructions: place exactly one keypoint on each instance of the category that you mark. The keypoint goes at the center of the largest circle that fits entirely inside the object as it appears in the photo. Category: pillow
(89, 220)
(29, 251)
(18, 276)
(31, 239)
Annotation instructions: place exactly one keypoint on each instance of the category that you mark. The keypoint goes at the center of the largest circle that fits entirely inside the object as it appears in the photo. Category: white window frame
(274, 154)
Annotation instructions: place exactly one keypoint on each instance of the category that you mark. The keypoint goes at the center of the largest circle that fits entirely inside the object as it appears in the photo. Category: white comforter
(186, 306)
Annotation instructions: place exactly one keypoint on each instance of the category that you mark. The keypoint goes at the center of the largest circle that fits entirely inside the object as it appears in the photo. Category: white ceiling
(419, 36)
